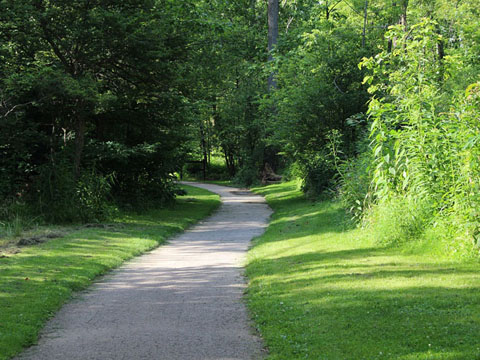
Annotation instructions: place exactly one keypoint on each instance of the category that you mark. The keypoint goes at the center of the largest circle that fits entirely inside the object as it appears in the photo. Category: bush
(354, 186)
(193, 170)
(93, 191)
(143, 177)
(216, 169)
(399, 220)
(59, 197)
(145, 191)
(317, 173)
(425, 142)
(247, 176)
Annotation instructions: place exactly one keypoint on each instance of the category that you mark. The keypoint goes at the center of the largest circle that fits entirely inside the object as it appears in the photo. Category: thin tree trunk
(79, 143)
(441, 56)
(232, 163)
(392, 42)
(229, 161)
(204, 150)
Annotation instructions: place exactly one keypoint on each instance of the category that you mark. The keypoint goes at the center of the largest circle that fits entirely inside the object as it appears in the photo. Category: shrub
(93, 191)
(355, 186)
(59, 197)
(247, 176)
(399, 219)
(143, 177)
(425, 142)
(318, 175)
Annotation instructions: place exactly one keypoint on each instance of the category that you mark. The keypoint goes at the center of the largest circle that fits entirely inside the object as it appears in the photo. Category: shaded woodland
(103, 104)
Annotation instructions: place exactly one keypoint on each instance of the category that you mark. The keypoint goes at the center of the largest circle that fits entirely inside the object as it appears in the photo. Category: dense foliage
(92, 103)
(103, 102)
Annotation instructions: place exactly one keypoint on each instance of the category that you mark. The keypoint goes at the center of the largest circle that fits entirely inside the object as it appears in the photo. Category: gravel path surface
(180, 301)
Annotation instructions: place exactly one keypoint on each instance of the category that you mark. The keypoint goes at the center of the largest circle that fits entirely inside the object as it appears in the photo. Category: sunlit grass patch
(321, 289)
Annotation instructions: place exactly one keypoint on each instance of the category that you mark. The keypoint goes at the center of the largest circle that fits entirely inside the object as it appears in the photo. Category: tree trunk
(204, 150)
(79, 143)
(229, 161)
(272, 37)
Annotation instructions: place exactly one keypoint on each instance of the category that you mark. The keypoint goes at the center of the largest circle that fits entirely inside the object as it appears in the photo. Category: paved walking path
(180, 301)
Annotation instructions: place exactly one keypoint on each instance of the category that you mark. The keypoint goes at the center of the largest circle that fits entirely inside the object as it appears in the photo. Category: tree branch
(15, 107)
(55, 48)
(338, 88)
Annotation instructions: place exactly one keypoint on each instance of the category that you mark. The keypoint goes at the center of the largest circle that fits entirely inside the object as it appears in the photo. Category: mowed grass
(37, 281)
(320, 289)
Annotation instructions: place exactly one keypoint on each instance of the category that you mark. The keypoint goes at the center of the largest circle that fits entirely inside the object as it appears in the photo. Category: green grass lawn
(320, 289)
(35, 282)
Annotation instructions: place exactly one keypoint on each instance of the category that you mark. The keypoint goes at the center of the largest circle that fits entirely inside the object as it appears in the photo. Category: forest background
(375, 103)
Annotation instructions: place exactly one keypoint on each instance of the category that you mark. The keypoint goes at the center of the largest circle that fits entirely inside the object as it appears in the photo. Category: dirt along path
(180, 301)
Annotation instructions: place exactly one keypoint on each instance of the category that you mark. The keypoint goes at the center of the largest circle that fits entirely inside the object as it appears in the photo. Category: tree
(100, 86)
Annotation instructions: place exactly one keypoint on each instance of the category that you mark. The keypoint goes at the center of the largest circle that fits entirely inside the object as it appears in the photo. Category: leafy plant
(422, 135)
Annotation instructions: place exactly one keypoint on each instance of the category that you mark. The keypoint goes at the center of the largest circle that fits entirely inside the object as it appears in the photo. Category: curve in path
(180, 301)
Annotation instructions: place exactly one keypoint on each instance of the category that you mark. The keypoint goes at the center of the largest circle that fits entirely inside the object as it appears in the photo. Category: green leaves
(422, 132)
(80, 74)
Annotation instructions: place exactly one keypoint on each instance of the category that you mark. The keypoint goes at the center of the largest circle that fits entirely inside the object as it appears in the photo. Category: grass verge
(320, 289)
(35, 282)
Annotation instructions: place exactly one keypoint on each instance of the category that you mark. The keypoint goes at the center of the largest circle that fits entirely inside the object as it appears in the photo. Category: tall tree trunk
(229, 161)
(272, 37)
(79, 143)
(204, 150)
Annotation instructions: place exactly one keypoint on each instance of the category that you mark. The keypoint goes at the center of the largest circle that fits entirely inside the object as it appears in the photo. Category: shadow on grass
(322, 295)
(307, 220)
(279, 191)
(357, 323)
(334, 307)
